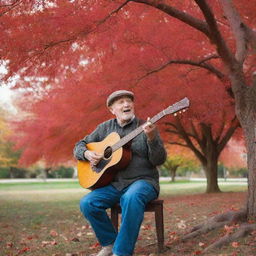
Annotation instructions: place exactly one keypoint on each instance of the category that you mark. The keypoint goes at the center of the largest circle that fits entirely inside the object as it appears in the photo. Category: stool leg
(159, 218)
(114, 218)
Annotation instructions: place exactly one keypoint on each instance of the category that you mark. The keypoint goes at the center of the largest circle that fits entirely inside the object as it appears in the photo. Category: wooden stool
(153, 206)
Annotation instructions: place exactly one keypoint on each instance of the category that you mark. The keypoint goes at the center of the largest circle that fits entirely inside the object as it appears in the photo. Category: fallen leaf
(25, 249)
(65, 238)
(94, 246)
(235, 244)
(181, 224)
(53, 242)
(201, 244)
(45, 243)
(9, 245)
(146, 227)
(79, 234)
(228, 229)
(53, 233)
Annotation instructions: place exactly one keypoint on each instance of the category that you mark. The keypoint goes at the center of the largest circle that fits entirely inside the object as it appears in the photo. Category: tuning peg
(184, 110)
(180, 112)
(175, 114)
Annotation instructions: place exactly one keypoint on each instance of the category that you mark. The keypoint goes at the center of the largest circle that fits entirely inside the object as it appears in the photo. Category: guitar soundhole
(107, 153)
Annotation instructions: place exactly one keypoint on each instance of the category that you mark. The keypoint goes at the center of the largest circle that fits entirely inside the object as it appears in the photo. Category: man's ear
(111, 110)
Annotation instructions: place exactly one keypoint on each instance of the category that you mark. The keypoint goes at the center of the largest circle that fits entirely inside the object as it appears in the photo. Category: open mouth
(127, 111)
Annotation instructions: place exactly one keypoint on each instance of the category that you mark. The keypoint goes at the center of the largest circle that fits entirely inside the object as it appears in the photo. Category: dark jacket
(146, 155)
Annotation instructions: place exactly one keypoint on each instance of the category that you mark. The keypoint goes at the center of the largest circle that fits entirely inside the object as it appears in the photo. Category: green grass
(71, 190)
(177, 187)
(39, 185)
(193, 187)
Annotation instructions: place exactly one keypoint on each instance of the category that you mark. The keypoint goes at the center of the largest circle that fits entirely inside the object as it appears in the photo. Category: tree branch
(196, 135)
(221, 128)
(73, 38)
(234, 125)
(244, 35)
(186, 138)
(172, 131)
(206, 134)
(215, 34)
(237, 27)
(177, 143)
(201, 63)
(10, 6)
(114, 11)
(171, 124)
(180, 15)
(86, 32)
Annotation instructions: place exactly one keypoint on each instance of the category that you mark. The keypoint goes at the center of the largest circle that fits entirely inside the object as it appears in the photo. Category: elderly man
(134, 186)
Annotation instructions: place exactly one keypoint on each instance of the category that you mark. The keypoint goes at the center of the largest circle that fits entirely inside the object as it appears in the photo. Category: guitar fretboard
(136, 132)
(181, 105)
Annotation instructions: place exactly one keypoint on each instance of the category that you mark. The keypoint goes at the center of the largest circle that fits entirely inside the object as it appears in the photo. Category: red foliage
(234, 155)
(83, 53)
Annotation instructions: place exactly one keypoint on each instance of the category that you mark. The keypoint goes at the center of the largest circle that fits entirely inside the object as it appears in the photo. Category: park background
(59, 62)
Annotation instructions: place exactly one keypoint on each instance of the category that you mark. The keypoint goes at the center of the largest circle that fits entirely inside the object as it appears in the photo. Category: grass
(39, 185)
(44, 219)
(179, 185)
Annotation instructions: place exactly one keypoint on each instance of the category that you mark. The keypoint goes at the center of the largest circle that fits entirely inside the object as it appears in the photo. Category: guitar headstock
(179, 106)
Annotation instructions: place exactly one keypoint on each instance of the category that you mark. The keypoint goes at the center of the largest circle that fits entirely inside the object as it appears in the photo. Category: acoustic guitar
(116, 154)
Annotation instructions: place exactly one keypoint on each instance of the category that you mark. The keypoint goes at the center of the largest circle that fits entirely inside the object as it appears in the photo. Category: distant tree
(176, 159)
(234, 155)
(234, 159)
(9, 157)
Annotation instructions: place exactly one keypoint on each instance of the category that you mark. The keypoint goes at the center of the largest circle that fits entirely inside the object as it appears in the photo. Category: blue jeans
(133, 200)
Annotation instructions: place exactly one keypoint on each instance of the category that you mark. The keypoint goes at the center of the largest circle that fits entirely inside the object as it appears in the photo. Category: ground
(48, 222)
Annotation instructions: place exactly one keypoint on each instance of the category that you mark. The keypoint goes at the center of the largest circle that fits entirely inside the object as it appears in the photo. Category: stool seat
(155, 206)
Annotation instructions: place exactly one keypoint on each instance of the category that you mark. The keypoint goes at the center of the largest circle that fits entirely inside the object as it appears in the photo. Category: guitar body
(101, 175)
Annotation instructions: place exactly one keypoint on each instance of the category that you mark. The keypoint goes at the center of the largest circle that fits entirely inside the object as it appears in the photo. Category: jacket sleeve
(156, 151)
(80, 146)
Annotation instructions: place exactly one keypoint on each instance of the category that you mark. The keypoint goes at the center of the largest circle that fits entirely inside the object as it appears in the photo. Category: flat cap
(118, 94)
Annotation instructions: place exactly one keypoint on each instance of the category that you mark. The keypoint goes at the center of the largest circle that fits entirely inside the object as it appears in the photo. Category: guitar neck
(136, 132)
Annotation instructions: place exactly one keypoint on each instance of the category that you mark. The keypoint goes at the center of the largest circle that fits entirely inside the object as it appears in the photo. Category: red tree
(104, 45)
(234, 155)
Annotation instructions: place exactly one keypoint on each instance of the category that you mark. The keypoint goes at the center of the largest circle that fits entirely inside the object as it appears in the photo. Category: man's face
(123, 109)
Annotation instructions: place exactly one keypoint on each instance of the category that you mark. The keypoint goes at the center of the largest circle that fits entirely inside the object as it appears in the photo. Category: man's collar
(130, 121)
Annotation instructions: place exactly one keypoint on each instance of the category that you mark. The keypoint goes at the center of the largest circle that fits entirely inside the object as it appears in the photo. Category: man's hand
(149, 129)
(93, 157)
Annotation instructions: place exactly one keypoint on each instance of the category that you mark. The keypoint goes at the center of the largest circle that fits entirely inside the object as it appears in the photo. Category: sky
(6, 99)
(5, 93)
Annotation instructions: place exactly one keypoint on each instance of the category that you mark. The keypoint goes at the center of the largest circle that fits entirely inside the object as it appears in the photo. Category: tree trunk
(246, 113)
(211, 172)
(250, 135)
(173, 173)
(251, 145)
